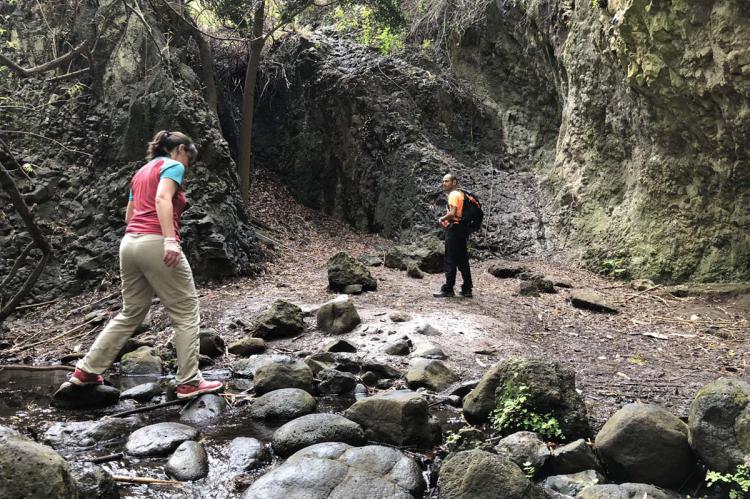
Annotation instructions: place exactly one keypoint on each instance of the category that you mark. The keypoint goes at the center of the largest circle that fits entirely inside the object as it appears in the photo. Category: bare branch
(69, 75)
(42, 68)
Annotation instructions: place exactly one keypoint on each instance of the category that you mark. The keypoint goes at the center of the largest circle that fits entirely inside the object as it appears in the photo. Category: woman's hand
(172, 252)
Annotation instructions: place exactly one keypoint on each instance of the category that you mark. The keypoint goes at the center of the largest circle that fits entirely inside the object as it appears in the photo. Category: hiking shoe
(443, 294)
(466, 294)
(187, 390)
(82, 378)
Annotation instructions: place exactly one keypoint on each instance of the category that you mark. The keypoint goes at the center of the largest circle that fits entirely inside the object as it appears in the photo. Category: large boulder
(626, 491)
(140, 361)
(285, 373)
(189, 462)
(31, 470)
(159, 439)
(546, 387)
(283, 405)
(246, 453)
(645, 443)
(431, 374)
(343, 271)
(719, 423)
(338, 316)
(70, 396)
(476, 474)
(314, 429)
(398, 418)
(337, 470)
(572, 458)
(427, 256)
(281, 320)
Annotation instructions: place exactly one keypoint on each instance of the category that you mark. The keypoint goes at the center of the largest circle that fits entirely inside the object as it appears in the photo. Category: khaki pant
(143, 273)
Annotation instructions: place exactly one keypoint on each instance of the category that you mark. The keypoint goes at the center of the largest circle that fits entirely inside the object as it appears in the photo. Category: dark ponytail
(165, 142)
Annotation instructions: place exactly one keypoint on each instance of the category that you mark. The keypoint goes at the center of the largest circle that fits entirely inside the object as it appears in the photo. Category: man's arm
(450, 216)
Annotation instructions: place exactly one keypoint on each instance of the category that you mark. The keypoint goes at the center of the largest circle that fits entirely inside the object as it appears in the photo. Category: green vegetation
(514, 414)
(739, 481)
(374, 30)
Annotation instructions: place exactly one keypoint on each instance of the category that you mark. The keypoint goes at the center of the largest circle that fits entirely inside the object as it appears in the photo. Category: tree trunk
(248, 101)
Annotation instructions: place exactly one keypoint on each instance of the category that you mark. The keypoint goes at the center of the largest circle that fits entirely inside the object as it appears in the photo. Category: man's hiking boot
(82, 378)
(187, 390)
(466, 294)
(443, 294)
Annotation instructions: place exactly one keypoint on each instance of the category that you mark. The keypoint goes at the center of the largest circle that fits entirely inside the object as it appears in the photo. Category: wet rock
(246, 453)
(205, 410)
(333, 382)
(572, 458)
(248, 367)
(281, 320)
(93, 481)
(159, 439)
(189, 462)
(524, 447)
(428, 350)
(506, 270)
(88, 433)
(353, 289)
(369, 378)
(399, 316)
(283, 405)
(398, 417)
(476, 474)
(460, 389)
(32, 470)
(70, 396)
(339, 346)
(400, 347)
(341, 361)
(132, 345)
(547, 388)
(211, 344)
(589, 299)
(247, 347)
(413, 271)
(313, 429)
(338, 316)
(428, 256)
(427, 330)
(718, 410)
(360, 391)
(626, 491)
(143, 392)
(431, 374)
(205, 361)
(286, 373)
(343, 270)
(337, 470)
(573, 484)
(645, 443)
(140, 361)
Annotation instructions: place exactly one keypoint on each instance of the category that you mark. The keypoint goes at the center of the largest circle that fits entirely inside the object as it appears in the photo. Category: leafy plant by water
(515, 414)
(739, 481)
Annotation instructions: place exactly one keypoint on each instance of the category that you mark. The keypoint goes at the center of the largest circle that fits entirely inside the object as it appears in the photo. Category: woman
(151, 261)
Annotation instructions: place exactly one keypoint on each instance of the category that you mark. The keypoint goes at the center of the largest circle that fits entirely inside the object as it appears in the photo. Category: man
(456, 238)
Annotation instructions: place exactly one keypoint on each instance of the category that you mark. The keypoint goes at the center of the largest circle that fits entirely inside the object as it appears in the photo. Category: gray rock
(249, 366)
(313, 429)
(211, 344)
(644, 443)
(339, 345)
(353, 289)
(143, 392)
(524, 448)
(70, 396)
(337, 470)
(428, 351)
(572, 458)
(246, 453)
(369, 378)
(88, 433)
(431, 374)
(573, 484)
(413, 271)
(626, 491)
(283, 405)
(92, 481)
(189, 462)
(371, 260)
(287, 373)
(398, 417)
(140, 361)
(719, 424)
(400, 347)
(204, 410)
(281, 320)
(338, 316)
(341, 361)
(247, 346)
(589, 299)
(427, 330)
(476, 474)
(428, 256)
(31, 470)
(528, 288)
(343, 271)
(504, 270)
(159, 439)
(399, 316)
(381, 369)
(548, 389)
(333, 382)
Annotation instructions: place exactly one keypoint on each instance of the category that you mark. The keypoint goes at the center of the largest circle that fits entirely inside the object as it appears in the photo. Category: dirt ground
(658, 349)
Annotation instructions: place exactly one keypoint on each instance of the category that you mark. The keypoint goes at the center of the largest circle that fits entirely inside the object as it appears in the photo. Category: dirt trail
(615, 363)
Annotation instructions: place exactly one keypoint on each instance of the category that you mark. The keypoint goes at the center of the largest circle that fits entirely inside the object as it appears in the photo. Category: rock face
(286, 373)
(189, 462)
(645, 443)
(281, 320)
(547, 388)
(29, 469)
(398, 418)
(338, 316)
(159, 439)
(283, 405)
(337, 470)
(314, 429)
(477, 474)
(720, 425)
(343, 271)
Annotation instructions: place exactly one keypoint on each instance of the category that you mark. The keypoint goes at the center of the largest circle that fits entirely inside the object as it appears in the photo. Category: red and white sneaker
(188, 390)
(82, 378)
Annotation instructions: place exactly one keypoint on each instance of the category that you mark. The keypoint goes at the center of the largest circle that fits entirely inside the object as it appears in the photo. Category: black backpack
(472, 214)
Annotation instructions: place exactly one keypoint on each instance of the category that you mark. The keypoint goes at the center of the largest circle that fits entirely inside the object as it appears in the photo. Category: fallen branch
(17, 367)
(40, 304)
(61, 335)
(106, 459)
(642, 292)
(138, 479)
(150, 408)
(42, 68)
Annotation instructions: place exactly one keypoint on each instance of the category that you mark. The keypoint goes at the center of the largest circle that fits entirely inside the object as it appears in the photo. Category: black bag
(472, 214)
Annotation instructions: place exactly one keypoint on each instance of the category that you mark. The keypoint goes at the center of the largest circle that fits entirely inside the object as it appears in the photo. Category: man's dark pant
(456, 257)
